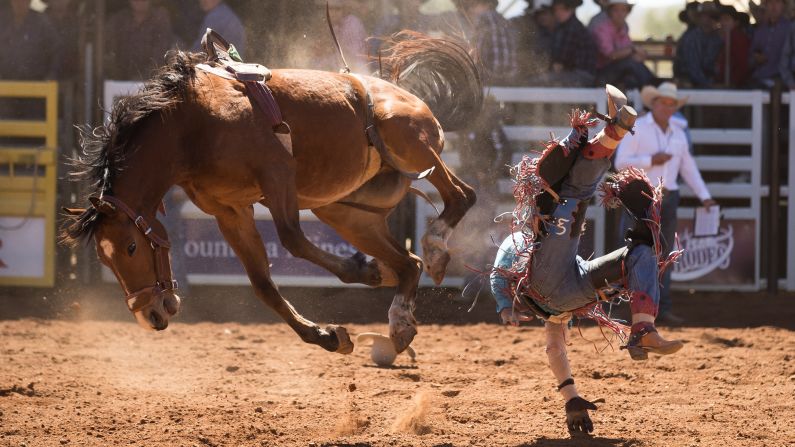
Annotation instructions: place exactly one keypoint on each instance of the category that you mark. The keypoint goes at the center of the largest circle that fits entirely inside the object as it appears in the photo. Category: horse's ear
(102, 206)
(73, 211)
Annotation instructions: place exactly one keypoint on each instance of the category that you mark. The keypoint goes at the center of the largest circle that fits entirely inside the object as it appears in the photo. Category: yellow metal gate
(28, 190)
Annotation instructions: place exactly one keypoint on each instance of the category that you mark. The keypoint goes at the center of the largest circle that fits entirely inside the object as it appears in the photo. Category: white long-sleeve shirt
(637, 150)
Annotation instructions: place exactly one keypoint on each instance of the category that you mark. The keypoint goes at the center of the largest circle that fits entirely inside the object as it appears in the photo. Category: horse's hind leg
(458, 198)
(368, 232)
(281, 197)
(416, 152)
(238, 228)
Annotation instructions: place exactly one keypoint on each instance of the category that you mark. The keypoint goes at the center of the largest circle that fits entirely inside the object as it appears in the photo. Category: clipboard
(707, 221)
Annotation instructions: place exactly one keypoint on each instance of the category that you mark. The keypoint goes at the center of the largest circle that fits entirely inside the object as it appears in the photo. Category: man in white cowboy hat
(619, 61)
(660, 147)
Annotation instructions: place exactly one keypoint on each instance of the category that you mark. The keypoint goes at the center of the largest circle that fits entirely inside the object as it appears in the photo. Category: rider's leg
(557, 274)
(635, 193)
(643, 274)
(639, 263)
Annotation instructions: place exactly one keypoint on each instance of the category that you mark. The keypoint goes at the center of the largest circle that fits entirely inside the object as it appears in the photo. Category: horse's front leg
(237, 226)
(281, 198)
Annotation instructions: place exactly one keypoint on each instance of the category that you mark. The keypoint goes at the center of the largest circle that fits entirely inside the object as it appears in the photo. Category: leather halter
(160, 247)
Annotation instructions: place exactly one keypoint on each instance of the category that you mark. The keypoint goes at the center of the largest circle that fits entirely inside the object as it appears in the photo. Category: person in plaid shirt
(573, 49)
(494, 41)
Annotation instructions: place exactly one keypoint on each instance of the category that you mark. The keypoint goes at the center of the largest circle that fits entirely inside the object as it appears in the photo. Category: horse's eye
(131, 249)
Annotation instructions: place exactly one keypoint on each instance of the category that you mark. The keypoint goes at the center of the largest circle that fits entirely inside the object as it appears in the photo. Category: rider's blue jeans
(559, 275)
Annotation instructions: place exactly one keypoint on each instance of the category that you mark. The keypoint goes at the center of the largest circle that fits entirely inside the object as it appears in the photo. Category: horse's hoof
(434, 250)
(402, 338)
(345, 345)
(402, 327)
(436, 267)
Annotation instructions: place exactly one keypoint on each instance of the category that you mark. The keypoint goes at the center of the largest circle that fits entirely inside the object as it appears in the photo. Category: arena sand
(90, 383)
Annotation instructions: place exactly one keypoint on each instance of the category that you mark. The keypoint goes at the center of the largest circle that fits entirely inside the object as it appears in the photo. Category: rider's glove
(577, 418)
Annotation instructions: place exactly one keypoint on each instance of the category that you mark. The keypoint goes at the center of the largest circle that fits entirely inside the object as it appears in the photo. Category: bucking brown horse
(194, 129)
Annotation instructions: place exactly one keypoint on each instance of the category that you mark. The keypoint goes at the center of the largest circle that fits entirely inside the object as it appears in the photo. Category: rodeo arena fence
(739, 164)
(28, 173)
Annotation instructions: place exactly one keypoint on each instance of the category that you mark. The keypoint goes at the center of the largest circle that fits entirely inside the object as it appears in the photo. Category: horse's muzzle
(158, 323)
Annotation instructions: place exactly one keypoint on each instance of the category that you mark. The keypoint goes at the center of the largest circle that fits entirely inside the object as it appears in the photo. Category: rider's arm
(506, 256)
(558, 359)
(690, 173)
(500, 289)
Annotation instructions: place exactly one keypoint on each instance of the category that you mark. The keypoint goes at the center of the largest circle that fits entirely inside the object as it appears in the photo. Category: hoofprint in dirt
(110, 383)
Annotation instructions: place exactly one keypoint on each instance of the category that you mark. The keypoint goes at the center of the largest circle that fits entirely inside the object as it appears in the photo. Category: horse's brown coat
(216, 146)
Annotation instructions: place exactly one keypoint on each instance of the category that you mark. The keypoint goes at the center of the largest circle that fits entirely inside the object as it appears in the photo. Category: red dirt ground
(109, 383)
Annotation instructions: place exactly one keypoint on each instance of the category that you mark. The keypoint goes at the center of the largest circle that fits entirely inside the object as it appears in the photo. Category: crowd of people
(44, 45)
(546, 46)
(720, 48)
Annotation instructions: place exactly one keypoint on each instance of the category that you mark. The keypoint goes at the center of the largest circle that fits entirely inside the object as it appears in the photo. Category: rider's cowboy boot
(556, 161)
(622, 119)
(644, 339)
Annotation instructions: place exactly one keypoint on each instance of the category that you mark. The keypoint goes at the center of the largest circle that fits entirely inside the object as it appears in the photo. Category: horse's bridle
(143, 297)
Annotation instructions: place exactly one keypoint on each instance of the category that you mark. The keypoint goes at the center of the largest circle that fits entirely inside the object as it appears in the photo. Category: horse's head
(137, 256)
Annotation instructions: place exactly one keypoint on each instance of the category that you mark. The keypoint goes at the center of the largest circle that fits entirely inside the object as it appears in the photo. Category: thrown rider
(537, 272)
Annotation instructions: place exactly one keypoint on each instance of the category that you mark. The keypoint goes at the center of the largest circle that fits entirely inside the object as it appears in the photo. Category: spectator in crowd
(220, 17)
(63, 16)
(601, 16)
(757, 11)
(138, 37)
(733, 68)
(186, 18)
(786, 64)
(573, 51)
(494, 42)
(352, 36)
(689, 15)
(406, 15)
(698, 49)
(30, 45)
(533, 31)
(660, 147)
(768, 42)
(619, 62)
(495, 48)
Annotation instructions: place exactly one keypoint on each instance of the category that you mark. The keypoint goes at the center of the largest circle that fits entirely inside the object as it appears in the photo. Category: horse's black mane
(106, 147)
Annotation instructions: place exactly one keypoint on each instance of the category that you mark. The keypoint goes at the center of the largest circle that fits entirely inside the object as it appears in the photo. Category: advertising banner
(727, 259)
(208, 258)
(22, 253)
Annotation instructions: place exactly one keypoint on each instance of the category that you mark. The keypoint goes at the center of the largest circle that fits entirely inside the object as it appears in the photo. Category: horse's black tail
(438, 71)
